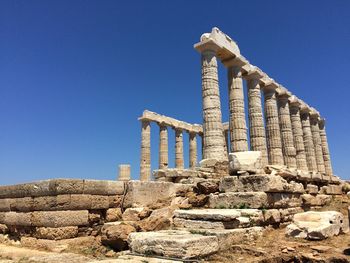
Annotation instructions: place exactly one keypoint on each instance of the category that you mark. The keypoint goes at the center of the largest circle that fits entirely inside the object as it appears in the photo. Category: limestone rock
(318, 200)
(56, 233)
(173, 243)
(159, 219)
(331, 189)
(116, 234)
(316, 225)
(113, 214)
(135, 214)
(203, 224)
(249, 161)
(207, 187)
(312, 189)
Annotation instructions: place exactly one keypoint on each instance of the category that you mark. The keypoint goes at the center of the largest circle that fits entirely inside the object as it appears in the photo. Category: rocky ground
(273, 246)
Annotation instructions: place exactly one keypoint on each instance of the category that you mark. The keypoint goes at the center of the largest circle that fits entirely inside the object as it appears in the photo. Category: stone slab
(311, 189)
(45, 218)
(208, 214)
(259, 183)
(229, 237)
(202, 224)
(173, 243)
(62, 186)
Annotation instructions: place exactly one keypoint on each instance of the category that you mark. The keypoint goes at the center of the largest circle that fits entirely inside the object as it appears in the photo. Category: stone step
(208, 214)
(173, 243)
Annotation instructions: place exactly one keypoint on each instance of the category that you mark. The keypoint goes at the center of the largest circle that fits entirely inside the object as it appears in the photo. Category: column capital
(314, 114)
(294, 101)
(270, 87)
(254, 73)
(239, 62)
(304, 108)
(283, 93)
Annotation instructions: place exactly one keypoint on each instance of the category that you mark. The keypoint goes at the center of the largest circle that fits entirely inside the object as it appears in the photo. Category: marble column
(145, 166)
(308, 141)
(214, 147)
(227, 141)
(297, 129)
(256, 121)
(325, 149)
(124, 172)
(193, 149)
(179, 152)
(315, 130)
(289, 152)
(237, 123)
(273, 133)
(163, 147)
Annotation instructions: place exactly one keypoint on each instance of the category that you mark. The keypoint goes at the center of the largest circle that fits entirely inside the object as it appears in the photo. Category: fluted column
(297, 129)
(124, 172)
(308, 141)
(289, 152)
(237, 123)
(163, 147)
(193, 149)
(256, 121)
(325, 149)
(315, 130)
(227, 141)
(179, 152)
(214, 147)
(145, 166)
(273, 133)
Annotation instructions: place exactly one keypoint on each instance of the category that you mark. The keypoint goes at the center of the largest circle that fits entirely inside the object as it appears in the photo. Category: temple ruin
(271, 172)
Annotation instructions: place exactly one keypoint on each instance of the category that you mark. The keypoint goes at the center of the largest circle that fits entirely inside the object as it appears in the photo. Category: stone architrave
(163, 147)
(325, 149)
(193, 149)
(308, 141)
(315, 130)
(237, 123)
(145, 166)
(294, 105)
(179, 151)
(289, 152)
(124, 172)
(256, 121)
(273, 133)
(214, 141)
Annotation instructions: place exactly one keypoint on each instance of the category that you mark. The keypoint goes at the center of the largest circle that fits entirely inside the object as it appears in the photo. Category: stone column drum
(325, 149)
(308, 141)
(294, 105)
(289, 152)
(179, 152)
(273, 134)
(163, 147)
(315, 130)
(256, 121)
(214, 147)
(193, 149)
(124, 172)
(237, 123)
(145, 166)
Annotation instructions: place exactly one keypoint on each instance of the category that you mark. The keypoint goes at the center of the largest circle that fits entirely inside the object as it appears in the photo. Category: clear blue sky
(75, 75)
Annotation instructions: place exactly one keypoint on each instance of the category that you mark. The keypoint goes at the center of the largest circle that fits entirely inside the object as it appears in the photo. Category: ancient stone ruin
(277, 173)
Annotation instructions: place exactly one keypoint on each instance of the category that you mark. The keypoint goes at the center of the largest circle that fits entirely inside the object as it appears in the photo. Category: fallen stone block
(259, 183)
(331, 189)
(15, 219)
(145, 193)
(113, 214)
(208, 214)
(174, 174)
(3, 229)
(316, 225)
(283, 200)
(173, 243)
(238, 200)
(249, 161)
(135, 214)
(136, 259)
(271, 216)
(56, 233)
(318, 200)
(311, 189)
